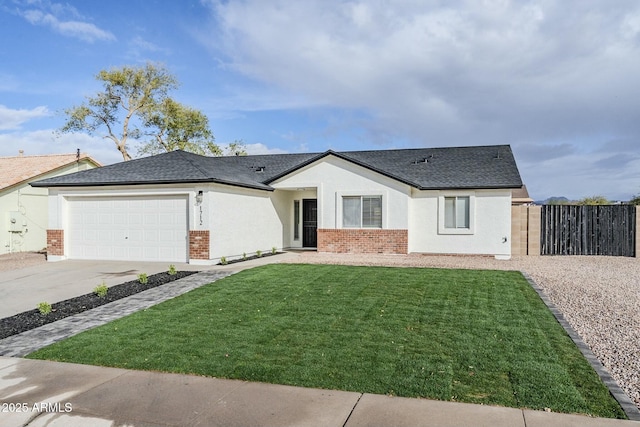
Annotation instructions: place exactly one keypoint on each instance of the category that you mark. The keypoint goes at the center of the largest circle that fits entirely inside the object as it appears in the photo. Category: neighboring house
(23, 209)
(180, 206)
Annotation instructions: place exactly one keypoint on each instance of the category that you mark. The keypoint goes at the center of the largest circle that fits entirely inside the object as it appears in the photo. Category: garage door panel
(166, 238)
(166, 219)
(134, 219)
(88, 218)
(136, 204)
(128, 228)
(164, 252)
(151, 220)
(153, 253)
(105, 219)
(152, 236)
(121, 205)
(120, 218)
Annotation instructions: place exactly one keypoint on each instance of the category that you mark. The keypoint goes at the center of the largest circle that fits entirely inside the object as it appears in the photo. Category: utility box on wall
(15, 221)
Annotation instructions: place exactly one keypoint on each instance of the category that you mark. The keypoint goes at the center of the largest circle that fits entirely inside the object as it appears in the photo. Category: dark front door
(309, 223)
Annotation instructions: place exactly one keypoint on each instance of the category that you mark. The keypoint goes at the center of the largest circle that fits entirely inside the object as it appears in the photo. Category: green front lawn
(463, 335)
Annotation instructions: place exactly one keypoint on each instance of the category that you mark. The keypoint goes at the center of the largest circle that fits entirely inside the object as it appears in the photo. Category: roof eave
(158, 182)
(473, 187)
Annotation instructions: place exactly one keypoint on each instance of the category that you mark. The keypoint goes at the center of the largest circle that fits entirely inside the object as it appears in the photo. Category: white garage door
(128, 228)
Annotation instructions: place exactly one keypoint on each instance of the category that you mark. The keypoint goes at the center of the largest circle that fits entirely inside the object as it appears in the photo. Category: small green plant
(244, 256)
(44, 308)
(143, 278)
(274, 250)
(172, 270)
(258, 254)
(101, 290)
(223, 260)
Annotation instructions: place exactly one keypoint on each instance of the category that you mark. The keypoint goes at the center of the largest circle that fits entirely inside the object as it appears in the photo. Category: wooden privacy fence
(588, 230)
(575, 230)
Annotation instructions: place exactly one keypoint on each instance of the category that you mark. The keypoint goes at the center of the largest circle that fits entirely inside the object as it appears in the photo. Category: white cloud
(259, 148)
(49, 15)
(496, 66)
(140, 43)
(11, 119)
(533, 74)
(138, 47)
(616, 177)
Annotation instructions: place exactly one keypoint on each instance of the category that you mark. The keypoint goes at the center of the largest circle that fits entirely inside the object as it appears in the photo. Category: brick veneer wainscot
(199, 244)
(363, 241)
(55, 242)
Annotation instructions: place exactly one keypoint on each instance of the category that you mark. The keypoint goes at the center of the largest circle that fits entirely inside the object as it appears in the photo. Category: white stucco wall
(332, 178)
(244, 220)
(490, 224)
(29, 207)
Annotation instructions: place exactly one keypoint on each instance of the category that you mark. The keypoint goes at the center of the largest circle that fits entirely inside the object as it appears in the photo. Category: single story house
(23, 209)
(182, 207)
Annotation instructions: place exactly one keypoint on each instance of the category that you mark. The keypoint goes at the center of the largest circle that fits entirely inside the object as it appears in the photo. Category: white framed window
(456, 214)
(362, 211)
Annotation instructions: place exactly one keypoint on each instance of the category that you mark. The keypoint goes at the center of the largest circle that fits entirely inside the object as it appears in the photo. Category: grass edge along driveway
(461, 335)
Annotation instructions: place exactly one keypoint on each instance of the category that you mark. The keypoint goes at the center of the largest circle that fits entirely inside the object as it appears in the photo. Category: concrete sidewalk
(42, 393)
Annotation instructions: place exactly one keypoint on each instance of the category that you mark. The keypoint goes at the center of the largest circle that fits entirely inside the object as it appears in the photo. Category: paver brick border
(629, 408)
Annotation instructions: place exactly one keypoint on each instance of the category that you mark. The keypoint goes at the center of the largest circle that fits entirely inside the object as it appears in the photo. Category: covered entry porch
(301, 222)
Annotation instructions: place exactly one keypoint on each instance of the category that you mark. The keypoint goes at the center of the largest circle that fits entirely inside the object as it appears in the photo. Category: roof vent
(427, 159)
(497, 156)
(258, 169)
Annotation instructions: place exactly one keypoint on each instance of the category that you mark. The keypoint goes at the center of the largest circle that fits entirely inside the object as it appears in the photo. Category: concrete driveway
(23, 289)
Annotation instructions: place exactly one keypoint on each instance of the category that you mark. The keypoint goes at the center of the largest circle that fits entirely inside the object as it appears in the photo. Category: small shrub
(244, 256)
(258, 254)
(274, 250)
(172, 270)
(101, 290)
(223, 260)
(44, 308)
(143, 278)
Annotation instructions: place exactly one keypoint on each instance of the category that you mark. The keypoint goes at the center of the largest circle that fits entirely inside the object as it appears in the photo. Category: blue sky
(558, 81)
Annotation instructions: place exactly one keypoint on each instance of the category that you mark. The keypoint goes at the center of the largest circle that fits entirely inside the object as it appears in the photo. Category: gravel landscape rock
(599, 296)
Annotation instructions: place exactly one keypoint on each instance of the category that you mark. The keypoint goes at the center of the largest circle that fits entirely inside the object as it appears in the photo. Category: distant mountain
(555, 200)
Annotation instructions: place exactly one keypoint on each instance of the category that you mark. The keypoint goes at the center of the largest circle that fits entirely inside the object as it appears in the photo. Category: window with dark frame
(296, 220)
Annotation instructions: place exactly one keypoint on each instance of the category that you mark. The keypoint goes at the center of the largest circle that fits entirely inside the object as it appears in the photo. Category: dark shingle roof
(422, 168)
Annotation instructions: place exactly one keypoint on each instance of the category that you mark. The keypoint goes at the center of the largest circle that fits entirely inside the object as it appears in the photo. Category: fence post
(517, 219)
(637, 231)
(533, 238)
